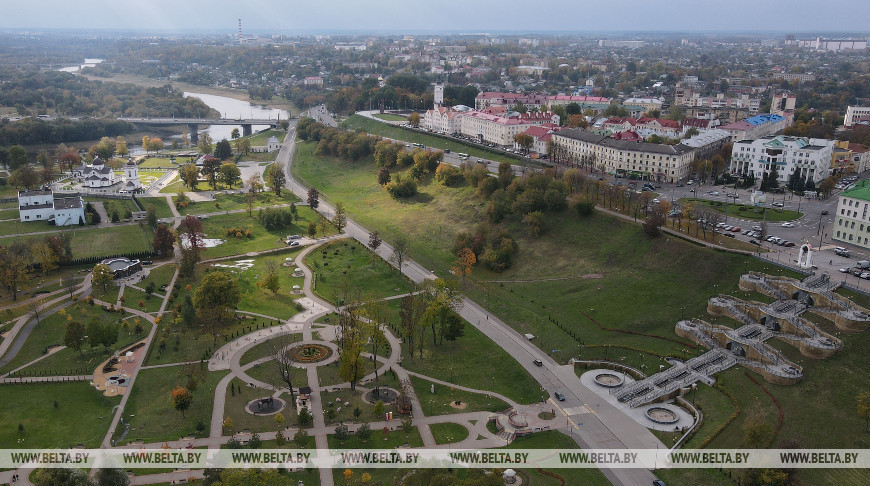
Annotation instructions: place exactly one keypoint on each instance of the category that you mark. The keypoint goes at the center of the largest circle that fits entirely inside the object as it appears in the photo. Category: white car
(777, 205)
(788, 225)
(713, 193)
(845, 269)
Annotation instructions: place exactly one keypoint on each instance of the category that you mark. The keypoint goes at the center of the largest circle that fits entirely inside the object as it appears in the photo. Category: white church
(98, 175)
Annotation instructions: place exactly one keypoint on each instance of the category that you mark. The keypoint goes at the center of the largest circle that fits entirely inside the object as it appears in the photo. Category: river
(233, 108)
(79, 67)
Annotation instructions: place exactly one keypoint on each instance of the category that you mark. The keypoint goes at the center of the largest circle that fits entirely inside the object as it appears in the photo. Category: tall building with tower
(439, 95)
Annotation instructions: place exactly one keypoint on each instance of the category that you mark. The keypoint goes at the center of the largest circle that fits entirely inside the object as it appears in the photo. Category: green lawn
(122, 205)
(127, 238)
(160, 275)
(342, 396)
(345, 264)
(375, 127)
(260, 138)
(390, 117)
(230, 202)
(448, 433)
(163, 162)
(152, 302)
(379, 440)
(235, 409)
(217, 226)
(178, 186)
(149, 409)
(282, 304)
(265, 349)
(159, 203)
(746, 211)
(82, 415)
(552, 439)
(50, 331)
(439, 403)
(187, 343)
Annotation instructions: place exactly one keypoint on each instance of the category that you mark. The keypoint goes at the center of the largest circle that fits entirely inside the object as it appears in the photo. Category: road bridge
(194, 123)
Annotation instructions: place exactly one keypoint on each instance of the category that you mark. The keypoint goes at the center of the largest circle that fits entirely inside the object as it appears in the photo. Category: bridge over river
(194, 123)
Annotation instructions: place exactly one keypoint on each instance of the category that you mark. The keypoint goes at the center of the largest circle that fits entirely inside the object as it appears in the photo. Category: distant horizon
(442, 16)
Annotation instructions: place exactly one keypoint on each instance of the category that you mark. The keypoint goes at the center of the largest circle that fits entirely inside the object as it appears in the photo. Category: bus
(462, 156)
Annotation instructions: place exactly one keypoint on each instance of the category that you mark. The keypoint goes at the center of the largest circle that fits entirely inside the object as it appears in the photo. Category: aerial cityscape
(394, 244)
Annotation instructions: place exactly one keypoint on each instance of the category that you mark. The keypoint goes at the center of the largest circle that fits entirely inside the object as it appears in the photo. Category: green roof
(860, 191)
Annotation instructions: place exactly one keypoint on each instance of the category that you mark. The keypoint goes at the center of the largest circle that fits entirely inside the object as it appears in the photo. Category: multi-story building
(799, 77)
(598, 104)
(856, 115)
(501, 130)
(831, 45)
(852, 219)
(810, 157)
(541, 135)
(756, 127)
(630, 44)
(860, 158)
(40, 205)
(639, 106)
(491, 98)
(652, 161)
(441, 119)
(783, 104)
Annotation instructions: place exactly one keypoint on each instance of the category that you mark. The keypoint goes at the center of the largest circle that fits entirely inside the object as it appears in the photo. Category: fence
(802, 271)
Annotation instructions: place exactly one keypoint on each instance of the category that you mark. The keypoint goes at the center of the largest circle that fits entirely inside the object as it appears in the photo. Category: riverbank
(237, 94)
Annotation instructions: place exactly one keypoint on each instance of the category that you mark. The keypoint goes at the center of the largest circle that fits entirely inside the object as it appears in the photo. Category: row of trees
(20, 259)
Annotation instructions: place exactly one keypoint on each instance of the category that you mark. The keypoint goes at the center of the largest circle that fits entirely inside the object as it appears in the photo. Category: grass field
(448, 433)
(149, 408)
(187, 343)
(159, 203)
(390, 117)
(151, 303)
(645, 286)
(217, 226)
(345, 264)
(230, 202)
(282, 304)
(552, 439)
(746, 211)
(379, 440)
(260, 138)
(50, 332)
(160, 275)
(235, 409)
(89, 241)
(438, 403)
(375, 127)
(82, 415)
(163, 162)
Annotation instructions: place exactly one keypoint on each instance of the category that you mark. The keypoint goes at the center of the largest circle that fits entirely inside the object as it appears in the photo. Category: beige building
(653, 161)
(501, 130)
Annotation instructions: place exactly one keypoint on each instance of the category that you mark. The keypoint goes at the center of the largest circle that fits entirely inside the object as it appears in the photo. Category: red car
(735, 229)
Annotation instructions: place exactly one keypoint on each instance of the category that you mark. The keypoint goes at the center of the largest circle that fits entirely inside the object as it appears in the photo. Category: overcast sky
(291, 16)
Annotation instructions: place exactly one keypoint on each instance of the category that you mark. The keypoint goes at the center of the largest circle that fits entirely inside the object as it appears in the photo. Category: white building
(856, 115)
(810, 157)
(441, 119)
(757, 126)
(95, 174)
(131, 177)
(40, 205)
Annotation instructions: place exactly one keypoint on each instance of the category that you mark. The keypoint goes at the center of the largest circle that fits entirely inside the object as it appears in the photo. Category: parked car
(561, 397)
(713, 193)
(735, 229)
(788, 244)
(845, 269)
(864, 264)
(777, 205)
(294, 243)
(857, 272)
(294, 237)
(756, 228)
(840, 251)
(755, 242)
(865, 275)
(679, 184)
(825, 212)
(788, 225)
(720, 225)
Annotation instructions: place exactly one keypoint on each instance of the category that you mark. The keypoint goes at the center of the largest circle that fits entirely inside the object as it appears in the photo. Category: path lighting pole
(694, 392)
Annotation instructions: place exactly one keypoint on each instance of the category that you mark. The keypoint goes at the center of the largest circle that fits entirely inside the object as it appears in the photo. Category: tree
(505, 174)
(863, 399)
(61, 476)
(181, 398)
(312, 229)
(277, 177)
(156, 145)
(210, 168)
(524, 141)
(189, 173)
(374, 240)
(229, 174)
(68, 282)
(75, 336)
(243, 145)
(217, 289)
(17, 157)
(364, 432)
(536, 221)
(401, 249)
(304, 417)
(383, 175)
(43, 254)
(223, 150)
(24, 176)
(121, 147)
(164, 240)
(340, 219)
(102, 276)
(14, 266)
(70, 158)
(301, 436)
(151, 215)
(235, 133)
(250, 201)
(146, 142)
(205, 144)
(414, 119)
(254, 183)
(352, 366)
(342, 433)
(465, 259)
(270, 280)
(112, 477)
(313, 198)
